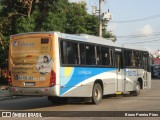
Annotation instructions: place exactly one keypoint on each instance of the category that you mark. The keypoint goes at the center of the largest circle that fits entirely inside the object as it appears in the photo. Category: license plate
(30, 84)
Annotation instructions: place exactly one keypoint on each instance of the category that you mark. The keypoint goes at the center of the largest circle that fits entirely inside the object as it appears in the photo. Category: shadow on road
(156, 79)
(24, 103)
(28, 103)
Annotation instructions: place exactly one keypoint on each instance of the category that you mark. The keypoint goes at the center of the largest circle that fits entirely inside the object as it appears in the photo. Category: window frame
(140, 53)
(79, 54)
(60, 52)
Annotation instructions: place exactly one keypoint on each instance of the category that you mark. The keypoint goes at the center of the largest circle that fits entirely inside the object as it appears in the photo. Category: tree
(91, 24)
(4, 51)
(79, 21)
(109, 35)
(53, 17)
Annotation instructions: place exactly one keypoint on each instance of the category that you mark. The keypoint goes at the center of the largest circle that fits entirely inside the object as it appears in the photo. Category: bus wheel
(97, 94)
(57, 100)
(137, 91)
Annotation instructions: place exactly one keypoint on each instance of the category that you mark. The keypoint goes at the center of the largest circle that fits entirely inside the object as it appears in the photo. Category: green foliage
(79, 21)
(54, 22)
(4, 53)
(76, 15)
(24, 24)
(91, 25)
(108, 34)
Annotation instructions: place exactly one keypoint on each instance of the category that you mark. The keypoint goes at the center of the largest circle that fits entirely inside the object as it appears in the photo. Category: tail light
(52, 79)
(9, 79)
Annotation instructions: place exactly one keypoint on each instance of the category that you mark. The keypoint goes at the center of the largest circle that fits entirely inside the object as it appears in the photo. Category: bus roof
(87, 38)
(98, 40)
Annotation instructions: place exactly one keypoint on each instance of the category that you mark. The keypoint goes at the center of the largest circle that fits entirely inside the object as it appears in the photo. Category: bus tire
(97, 93)
(137, 91)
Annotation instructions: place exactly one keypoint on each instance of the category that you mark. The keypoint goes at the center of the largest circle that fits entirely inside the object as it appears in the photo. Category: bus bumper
(44, 91)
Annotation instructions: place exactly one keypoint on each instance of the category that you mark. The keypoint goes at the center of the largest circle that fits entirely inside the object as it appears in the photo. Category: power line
(154, 45)
(140, 35)
(138, 20)
(143, 42)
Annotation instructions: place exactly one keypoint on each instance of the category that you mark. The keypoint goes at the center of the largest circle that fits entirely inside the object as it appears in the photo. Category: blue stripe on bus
(71, 76)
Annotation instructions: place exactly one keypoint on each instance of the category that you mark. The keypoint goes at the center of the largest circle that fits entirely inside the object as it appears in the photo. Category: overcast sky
(139, 18)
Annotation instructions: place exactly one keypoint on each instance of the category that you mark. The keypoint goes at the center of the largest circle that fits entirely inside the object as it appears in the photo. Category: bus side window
(87, 54)
(105, 56)
(90, 55)
(133, 61)
(82, 54)
(145, 60)
(99, 57)
(69, 52)
(138, 59)
(128, 55)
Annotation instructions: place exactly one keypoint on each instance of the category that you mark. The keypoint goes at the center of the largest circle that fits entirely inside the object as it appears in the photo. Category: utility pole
(104, 18)
(100, 18)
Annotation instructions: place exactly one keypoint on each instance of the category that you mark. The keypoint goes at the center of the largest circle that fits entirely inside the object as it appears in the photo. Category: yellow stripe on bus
(118, 93)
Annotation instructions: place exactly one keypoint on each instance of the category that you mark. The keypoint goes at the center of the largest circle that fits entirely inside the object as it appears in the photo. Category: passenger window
(138, 59)
(99, 56)
(82, 54)
(90, 55)
(87, 53)
(128, 58)
(104, 56)
(69, 52)
(145, 61)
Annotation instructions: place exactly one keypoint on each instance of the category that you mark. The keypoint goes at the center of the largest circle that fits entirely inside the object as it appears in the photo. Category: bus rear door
(119, 71)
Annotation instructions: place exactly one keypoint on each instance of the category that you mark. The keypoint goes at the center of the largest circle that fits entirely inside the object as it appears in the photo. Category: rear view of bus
(31, 64)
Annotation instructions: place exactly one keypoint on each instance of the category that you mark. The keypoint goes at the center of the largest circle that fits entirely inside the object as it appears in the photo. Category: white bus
(63, 66)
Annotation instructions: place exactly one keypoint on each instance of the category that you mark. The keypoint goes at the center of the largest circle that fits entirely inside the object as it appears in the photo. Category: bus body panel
(31, 60)
(130, 79)
(76, 80)
(34, 91)
(147, 80)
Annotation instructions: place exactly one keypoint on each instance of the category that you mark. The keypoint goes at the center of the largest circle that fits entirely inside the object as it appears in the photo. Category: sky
(134, 22)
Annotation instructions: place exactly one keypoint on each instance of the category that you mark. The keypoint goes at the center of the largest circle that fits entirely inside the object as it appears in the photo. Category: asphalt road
(148, 100)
